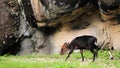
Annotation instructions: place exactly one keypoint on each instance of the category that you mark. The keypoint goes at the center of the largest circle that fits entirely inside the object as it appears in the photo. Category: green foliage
(58, 61)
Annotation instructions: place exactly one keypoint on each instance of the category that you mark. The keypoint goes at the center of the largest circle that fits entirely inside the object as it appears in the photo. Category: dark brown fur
(81, 42)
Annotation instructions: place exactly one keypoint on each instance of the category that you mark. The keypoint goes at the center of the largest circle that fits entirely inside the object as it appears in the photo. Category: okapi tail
(96, 40)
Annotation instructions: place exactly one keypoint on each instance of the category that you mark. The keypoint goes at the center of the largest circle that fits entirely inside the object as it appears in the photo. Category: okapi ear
(68, 43)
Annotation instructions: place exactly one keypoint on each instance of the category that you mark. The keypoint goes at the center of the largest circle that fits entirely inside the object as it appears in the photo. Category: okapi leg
(93, 52)
(81, 51)
(71, 51)
(96, 53)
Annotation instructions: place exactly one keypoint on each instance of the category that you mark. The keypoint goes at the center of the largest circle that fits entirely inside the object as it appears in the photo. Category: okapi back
(83, 42)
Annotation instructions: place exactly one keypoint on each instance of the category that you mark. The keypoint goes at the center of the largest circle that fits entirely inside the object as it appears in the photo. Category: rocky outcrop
(9, 26)
(42, 26)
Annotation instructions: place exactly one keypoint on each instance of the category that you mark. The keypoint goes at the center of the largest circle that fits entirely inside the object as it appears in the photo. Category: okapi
(81, 42)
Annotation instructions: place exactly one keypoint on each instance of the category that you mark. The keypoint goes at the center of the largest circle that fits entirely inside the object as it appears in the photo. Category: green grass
(57, 61)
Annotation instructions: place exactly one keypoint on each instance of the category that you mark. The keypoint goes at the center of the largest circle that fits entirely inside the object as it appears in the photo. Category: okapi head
(64, 48)
(110, 9)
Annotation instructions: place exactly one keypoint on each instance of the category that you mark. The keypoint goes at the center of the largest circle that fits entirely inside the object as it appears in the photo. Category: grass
(57, 61)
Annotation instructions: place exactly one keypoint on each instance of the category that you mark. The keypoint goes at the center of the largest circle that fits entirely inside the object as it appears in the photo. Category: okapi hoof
(111, 58)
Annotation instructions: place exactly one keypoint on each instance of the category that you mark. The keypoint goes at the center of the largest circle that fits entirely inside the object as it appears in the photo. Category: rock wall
(43, 29)
(48, 40)
(9, 26)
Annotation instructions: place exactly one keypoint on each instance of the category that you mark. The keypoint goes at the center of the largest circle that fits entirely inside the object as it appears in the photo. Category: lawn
(57, 61)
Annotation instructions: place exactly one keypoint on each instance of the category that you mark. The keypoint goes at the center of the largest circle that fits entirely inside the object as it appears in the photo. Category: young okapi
(81, 42)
